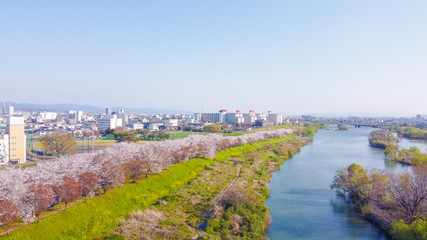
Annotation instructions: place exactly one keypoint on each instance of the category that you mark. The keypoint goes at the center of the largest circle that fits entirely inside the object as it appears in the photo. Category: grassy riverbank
(231, 192)
(101, 214)
(90, 219)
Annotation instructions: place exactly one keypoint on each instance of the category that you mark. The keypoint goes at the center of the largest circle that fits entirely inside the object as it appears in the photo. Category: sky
(292, 57)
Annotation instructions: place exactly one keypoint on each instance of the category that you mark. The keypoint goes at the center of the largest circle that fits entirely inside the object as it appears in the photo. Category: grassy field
(181, 135)
(97, 142)
(184, 209)
(101, 214)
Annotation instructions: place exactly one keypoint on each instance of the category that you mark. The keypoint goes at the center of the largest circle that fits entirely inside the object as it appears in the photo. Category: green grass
(181, 135)
(238, 151)
(100, 214)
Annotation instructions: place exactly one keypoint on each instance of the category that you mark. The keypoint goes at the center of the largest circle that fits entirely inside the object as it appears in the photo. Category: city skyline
(288, 57)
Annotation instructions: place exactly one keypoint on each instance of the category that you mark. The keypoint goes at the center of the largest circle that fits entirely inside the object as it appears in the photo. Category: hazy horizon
(305, 57)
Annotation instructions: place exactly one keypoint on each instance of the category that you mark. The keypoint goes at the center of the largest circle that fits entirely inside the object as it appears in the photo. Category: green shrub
(417, 230)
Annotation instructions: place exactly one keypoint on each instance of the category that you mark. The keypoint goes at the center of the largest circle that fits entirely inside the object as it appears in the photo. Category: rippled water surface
(302, 204)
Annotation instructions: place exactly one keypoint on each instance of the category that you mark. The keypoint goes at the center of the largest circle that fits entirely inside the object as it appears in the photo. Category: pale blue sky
(288, 56)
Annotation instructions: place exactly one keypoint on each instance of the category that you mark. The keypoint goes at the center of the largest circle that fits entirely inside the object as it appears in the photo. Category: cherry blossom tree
(111, 175)
(42, 198)
(8, 214)
(107, 164)
(87, 181)
(136, 169)
(69, 190)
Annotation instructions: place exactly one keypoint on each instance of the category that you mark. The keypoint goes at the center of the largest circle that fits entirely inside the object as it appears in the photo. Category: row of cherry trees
(27, 193)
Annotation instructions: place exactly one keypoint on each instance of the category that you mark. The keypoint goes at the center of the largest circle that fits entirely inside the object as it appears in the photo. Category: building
(234, 118)
(46, 116)
(11, 110)
(237, 117)
(17, 140)
(108, 111)
(170, 123)
(4, 149)
(77, 115)
(250, 117)
(109, 121)
(209, 117)
(275, 118)
(136, 125)
(198, 117)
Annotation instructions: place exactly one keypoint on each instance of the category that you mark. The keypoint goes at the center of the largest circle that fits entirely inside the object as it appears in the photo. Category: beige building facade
(17, 139)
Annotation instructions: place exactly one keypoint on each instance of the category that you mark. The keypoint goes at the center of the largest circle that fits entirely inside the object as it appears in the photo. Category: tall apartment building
(275, 118)
(16, 133)
(109, 121)
(4, 149)
(239, 118)
(108, 111)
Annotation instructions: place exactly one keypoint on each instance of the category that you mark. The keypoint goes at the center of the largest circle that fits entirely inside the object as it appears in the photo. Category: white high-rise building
(11, 110)
(4, 149)
(275, 118)
(109, 121)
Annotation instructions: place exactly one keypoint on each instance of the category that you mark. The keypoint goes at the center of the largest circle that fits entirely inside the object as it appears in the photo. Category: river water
(302, 204)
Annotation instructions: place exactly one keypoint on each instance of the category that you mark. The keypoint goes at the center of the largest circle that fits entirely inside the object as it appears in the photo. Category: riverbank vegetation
(411, 156)
(225, 201)
(396, 202)
(309, 130)
(385, 139)
(410, 132)
(342, 127)
(61, 180)
(382, 138)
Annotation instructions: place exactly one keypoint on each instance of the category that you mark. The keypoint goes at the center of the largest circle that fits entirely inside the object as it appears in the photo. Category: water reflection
(343, 206)
(390, 163)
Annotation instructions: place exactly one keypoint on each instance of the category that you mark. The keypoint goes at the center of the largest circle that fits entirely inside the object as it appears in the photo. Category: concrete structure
(210, 117)
(250, 117)
(136, 125)
(234, 118)
(198, 117)
(169, 123)
(238, 117)
(109, 121)
(17, 139)
(77, 115)
(108, 111)
(275, 118)
(11, 110)
(155, 126)
(46, 116)
(4, 149)
(4, 109)
(222, 114)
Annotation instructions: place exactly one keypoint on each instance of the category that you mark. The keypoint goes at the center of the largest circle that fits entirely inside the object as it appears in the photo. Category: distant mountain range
(65, 107)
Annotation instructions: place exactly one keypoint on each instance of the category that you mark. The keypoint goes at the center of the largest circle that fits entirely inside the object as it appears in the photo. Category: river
(302, 204)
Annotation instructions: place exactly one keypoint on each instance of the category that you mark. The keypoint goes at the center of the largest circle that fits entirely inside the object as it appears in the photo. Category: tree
(136, 169)
(87, 181)
(58, 143)
(409, 195)
(126, 137)
(342, 127)
(69, 190)
(110, 175)
(108, 163)
(42, 198)
(8, 214)
(353, 180)
(381, 138)
(212, 128)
